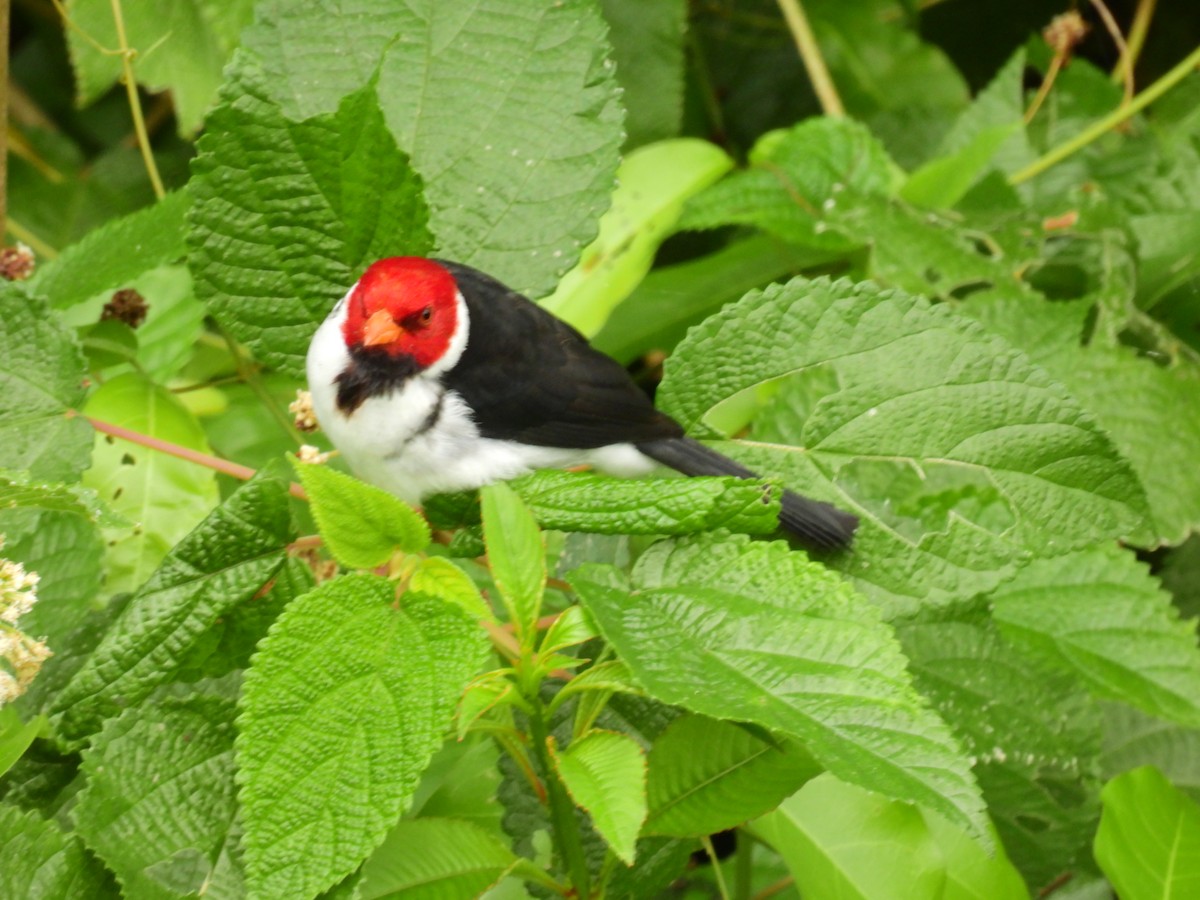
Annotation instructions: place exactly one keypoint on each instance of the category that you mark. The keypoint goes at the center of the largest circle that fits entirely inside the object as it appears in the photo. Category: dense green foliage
(969, 316)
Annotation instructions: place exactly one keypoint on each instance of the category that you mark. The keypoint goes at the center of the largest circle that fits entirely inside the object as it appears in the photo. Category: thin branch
(1137, 39)
(1114, 31)
(250, 375)
(711, 852)
(810, 55)
(1109, 122)
(25, 236)
(1044, 90)
(5, 12)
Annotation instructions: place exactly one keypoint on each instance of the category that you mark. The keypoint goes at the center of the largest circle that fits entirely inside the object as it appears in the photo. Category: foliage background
(918, 311)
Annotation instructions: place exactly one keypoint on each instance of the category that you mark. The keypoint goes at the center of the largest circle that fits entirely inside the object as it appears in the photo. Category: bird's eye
(427, 314)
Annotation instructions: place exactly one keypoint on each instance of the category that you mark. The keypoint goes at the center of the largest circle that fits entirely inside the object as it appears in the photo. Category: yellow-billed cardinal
(431, 377)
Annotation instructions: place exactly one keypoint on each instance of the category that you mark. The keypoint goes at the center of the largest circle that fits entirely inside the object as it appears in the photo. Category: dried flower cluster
(21, 656)
(310, 454)
(127, 306)
(1065, 32)
(16, 263)
(301, 408)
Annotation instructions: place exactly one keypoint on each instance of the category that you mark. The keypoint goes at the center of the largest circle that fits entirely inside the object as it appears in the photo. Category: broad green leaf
(435, 859)
(841, 841)
(361, 525)
(225, 561)
(605, 773)
(1149, 839)
(182, 47)
(39, 859)
(116, 253)
(285, 214)
(343, 705)
(653, 182)
(999, 105)
(43, 375)
(516, 555)
(796, 176)
(509, 111)
(165, 497)
(442, 578)
(707, 776)
(1099, 615)
(648, 41)
(943, 181)
(753, 631)
(16, 736)
(583, 501)
(671, 299)
(1133, 739)
(160, 800)
(956, 452)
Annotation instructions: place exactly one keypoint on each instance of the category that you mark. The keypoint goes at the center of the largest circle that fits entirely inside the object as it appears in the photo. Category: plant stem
(810, 55)
(743, 873)
(5, 13)
(1113, 119)
(135, 104)
(707, 843)
(244, 473)
(562, 811)
(25, 236)
(1114, 31)
(249, 375)
(1135, 41)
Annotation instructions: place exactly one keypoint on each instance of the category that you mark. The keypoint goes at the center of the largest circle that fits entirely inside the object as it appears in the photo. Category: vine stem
(810, 55)
(244, 473)
(1113, 119)
(1135, 41)
(135, 104)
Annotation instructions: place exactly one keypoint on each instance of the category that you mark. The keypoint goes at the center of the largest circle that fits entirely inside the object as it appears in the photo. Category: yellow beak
(381, 328)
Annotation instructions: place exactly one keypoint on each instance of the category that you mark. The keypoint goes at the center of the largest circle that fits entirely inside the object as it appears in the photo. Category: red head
(404, 305)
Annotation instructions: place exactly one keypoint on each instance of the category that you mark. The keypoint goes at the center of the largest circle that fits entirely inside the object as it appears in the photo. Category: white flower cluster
(21, 656)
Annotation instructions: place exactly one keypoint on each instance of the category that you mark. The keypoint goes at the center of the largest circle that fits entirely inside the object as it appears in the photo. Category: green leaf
(583, 501)
(1149, 839)
(755, 632)
(1100, 615)
(955, 451)
(165, 497)
(647, 41)
(16, 736)
(116, 253)
(362, 525)
(160, 800)
(442, 578)
(39, 859)
(514, 125)
(999, 105)
(708, 776)
(653, 182)
(516, 555)
(182, 47)
(942, 182)
(1133, 739)
(43, 378)
(841, 841)
(435, 859)
(605, 773)
(286, 214)
(343, 705)
(225, 561)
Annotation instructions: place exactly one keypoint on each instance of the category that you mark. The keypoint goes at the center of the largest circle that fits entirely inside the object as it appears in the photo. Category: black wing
(532, 378)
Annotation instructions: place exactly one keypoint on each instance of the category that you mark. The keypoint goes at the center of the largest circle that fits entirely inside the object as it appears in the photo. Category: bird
(431, 377)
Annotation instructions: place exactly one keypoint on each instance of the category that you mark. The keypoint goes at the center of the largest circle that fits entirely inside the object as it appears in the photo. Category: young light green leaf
(16, 736)
(1100, 615)
(516, 553)
(653, 183)
(585, 501)
(225, 561)
(286, 214)
(43, 375)
(942, 182)
(435, 859)
(1149, 839)
(116, 253)
(182, 46)
(707, 776)
(572, 627)
(361, 525)
(957, 453)
(605, 773)
(841, 841)
(343, 705)
(442, 578)
(39, 859)
(753, 631)
(164, 496)
(517, 168)
(160, 799)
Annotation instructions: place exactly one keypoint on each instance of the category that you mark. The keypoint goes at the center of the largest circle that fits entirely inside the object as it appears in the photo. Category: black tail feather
(820, 525)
